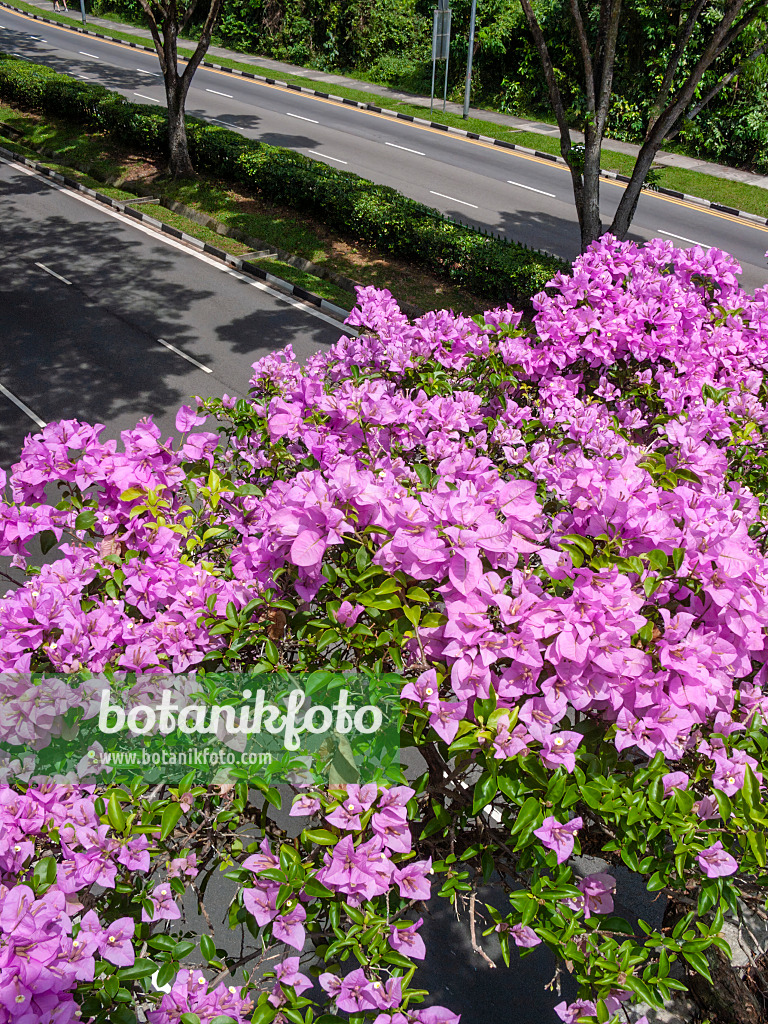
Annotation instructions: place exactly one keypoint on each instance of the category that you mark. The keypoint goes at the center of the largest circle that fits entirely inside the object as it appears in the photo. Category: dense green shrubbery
(376, 214)
(389, 41)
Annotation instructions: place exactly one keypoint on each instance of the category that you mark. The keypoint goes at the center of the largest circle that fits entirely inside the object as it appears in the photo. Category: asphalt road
(87, 294)
(523, 197)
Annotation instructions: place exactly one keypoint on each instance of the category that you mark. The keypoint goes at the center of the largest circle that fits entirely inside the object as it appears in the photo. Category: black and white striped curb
(124, 206)
(502, 143)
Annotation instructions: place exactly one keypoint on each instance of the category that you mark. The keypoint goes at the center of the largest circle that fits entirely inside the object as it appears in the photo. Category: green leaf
(699, 963)
(141, 969)
(756, 842)
(115, 813)
(724, 804)
(171, 815)
(265, 1014)
(424, 473)
(162, 942)
(392, 957)
(44, 873)
(678, 557)
(319, 837)
(208, 947)
(529, 813)
(85, 520)
(486, 789)
(657, 559)
(167, 973)
(314, 888)
(584, 543)
(751, 789)
(47, 541)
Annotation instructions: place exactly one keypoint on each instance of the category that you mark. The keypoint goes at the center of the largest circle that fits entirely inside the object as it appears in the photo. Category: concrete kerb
(294, 290)
(503, 144)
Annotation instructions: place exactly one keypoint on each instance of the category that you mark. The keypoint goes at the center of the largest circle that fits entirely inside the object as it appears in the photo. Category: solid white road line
(531, 189)
(682, 239)
(93, 55)
(24, 408)
(463, 203)
(407, 150)
(172, 348)
(300, 118)
(217, 93)
(53, 273)
(325, 156)
(143, 97)
(157, 236)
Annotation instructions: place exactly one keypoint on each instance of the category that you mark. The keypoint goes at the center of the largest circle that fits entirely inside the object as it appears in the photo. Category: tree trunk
(628, 204)
(589, 215)
(729, 998)
(180, 163)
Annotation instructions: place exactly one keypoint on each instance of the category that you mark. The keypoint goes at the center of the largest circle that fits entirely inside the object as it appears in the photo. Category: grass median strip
(99, 163)
(738, 195)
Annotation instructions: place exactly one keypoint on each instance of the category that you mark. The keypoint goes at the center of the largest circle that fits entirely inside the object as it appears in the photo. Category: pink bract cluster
(576, 503)
(48, 941)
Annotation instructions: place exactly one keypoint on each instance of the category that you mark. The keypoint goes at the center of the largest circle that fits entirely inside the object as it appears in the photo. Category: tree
(166, 21)
(596, 31)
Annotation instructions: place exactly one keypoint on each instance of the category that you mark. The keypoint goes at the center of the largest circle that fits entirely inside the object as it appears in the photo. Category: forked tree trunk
(168, 18)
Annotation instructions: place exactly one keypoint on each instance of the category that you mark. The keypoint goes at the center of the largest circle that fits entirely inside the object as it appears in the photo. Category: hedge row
(487, 266)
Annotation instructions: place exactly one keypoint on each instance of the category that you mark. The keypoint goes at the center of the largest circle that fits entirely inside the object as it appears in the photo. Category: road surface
(522, 197)
(106, 321)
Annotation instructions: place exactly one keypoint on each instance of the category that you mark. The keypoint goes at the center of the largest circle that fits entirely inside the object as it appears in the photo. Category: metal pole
(434, 59)
(82, 9)
(447, 54)
(469, 57)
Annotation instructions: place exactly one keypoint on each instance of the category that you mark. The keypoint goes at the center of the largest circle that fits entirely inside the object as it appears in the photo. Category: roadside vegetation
(390, 43)
(741, 196)
(101, 163)
(354, 208)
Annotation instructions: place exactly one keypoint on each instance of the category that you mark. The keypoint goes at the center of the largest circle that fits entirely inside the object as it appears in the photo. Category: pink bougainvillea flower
(555, 835)
(408, 941)
(716, 862)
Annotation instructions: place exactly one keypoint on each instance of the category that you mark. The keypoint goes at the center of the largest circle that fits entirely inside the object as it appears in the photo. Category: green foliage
(376, 214)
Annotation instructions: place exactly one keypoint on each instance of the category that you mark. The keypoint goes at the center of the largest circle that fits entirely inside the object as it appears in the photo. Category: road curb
(501, 143)
(124, 206)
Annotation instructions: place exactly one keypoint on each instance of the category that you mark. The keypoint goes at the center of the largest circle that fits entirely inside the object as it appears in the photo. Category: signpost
(469, 57)
(441, 45)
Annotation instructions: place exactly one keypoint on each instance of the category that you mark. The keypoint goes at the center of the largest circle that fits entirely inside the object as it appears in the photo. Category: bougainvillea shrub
(553, 532)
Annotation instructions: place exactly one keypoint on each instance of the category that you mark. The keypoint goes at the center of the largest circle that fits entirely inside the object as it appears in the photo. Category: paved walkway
(326, 79)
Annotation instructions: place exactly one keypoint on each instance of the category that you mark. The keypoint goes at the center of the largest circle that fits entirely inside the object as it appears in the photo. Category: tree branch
(188, 15)
(586, 57)
(555, 98)
(683, 37)
(472, 934)
(610, 17)
(204, 42)
(720, 85)
(147, 6)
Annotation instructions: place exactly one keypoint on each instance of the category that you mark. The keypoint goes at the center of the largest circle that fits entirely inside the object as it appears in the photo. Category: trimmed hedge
(490, 267)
